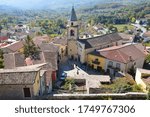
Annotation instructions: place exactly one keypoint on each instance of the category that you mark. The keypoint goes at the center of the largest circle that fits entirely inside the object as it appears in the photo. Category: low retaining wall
(122, 96)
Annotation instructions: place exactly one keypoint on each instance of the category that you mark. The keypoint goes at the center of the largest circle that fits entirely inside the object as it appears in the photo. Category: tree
(69, 84)
(133, 19)
(112, 28)
(147, 58)
(137, 88)
(148, 22)
(122, 85)
(125, 28)
(30, 49)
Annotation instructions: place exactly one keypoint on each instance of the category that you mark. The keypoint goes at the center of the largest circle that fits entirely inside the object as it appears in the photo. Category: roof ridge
(117, 47)
(139, 49)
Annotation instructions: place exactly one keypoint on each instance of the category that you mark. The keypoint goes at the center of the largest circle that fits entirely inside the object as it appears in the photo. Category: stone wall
(123, 96)
(13, 92)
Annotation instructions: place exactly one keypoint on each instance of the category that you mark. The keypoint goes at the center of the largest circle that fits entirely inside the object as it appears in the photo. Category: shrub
(69, 83)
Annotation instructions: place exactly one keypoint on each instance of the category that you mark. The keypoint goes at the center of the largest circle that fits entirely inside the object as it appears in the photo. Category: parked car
(63, 76)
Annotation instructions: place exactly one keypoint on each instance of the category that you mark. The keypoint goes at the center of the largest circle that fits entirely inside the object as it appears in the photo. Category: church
(78, 49)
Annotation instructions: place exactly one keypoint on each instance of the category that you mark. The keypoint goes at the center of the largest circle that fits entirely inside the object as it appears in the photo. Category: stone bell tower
(72, 36)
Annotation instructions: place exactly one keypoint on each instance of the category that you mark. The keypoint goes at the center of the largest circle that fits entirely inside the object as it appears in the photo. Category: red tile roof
(40, 39)
(15, 46)
(124, 53)
(3, 38)
(60, 40)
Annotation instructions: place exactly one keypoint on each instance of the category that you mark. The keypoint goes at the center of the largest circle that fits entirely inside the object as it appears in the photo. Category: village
(108, 63)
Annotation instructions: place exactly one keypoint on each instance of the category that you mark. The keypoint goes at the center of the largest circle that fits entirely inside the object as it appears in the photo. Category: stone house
(22, 82)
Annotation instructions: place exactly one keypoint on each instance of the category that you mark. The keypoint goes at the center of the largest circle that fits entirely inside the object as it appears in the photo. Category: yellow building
(61, 43)
(96, 61)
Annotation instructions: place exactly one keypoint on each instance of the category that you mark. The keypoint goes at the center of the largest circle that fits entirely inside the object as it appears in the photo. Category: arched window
(72, 33)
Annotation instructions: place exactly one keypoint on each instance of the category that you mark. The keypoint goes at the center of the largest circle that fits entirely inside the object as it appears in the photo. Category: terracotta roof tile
(60, 40)
(2, 38)
(38, 40)
(124, 53)
(49, 47)
(23, 75)
(14, 46)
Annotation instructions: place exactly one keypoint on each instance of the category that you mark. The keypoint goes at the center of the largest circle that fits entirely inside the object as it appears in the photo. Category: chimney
(130, 58)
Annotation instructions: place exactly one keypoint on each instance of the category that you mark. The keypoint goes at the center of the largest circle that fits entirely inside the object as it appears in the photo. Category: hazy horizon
(34, 4)
(52, 4)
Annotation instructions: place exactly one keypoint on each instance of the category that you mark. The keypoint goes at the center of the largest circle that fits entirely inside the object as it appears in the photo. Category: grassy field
(121, 27)
(147, 44)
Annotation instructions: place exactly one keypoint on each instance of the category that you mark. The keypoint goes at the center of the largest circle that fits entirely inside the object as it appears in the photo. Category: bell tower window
(71, 23)
(72, 33)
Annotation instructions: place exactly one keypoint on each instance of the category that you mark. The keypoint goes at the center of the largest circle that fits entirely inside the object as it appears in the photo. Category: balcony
(115, 68)
(96, 62)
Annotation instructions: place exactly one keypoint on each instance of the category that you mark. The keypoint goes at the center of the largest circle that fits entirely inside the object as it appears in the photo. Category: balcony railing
(96, 62)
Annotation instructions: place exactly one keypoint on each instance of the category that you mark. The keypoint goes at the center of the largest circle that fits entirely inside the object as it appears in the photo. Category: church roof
(100, 40)
(73, 15)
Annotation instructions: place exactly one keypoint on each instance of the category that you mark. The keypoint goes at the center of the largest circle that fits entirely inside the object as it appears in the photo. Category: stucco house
(118, 58)
(143, 78)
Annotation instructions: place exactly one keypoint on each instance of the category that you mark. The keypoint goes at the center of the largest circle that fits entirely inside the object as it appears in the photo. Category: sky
(43, 3)
(34, 4)
(21, 3)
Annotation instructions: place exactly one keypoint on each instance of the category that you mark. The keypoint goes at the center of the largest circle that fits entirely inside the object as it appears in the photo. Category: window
(26, 92)
(43, 83)
(72, 33)
(96, 61)
(110, 63)
(62, 51)
(118, 65)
